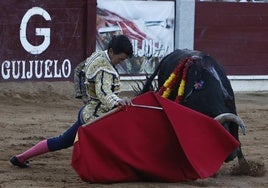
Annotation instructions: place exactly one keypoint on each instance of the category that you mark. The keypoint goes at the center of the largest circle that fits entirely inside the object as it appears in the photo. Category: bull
(207, 90)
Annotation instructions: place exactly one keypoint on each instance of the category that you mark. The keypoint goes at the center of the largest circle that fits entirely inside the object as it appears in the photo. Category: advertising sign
(43, 41)
(149, 25)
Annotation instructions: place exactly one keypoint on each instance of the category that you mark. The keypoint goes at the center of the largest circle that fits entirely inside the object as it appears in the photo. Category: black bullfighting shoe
(14, 160)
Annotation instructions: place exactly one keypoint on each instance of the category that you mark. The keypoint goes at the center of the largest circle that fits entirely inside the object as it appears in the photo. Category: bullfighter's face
(117, 58)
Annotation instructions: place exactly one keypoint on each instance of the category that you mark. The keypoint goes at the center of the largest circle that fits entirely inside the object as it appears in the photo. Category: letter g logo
(45, 32)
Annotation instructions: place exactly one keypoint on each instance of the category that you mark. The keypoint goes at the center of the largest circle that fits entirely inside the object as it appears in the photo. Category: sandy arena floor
(31, 112)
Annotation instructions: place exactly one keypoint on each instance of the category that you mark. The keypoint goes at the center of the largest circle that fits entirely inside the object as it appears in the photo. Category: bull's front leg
(243, 163)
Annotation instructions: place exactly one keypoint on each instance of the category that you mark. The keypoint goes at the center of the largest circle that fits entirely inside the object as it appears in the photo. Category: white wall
(249, 83)
(239, 83)
(184, 29)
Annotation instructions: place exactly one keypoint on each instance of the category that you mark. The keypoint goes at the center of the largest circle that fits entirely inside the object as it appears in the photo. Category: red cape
(142, 144)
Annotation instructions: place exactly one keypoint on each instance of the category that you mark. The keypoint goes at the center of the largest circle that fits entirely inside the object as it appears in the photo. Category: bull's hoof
(249, 168)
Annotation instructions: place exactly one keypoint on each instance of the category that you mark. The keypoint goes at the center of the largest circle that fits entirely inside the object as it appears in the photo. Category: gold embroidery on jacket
(102, 85)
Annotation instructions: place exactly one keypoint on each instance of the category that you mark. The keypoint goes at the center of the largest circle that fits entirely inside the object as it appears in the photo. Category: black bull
(207, 89)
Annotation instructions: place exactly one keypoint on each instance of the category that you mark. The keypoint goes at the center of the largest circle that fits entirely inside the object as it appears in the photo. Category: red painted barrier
(236, 34)
(45, 40)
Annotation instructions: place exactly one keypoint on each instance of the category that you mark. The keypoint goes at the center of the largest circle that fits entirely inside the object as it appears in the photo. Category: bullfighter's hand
(124, 102)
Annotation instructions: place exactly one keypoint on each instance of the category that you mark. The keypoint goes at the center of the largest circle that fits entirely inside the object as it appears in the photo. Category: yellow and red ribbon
(178, 75)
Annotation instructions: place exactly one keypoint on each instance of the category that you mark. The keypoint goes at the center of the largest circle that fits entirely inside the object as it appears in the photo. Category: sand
(32, 111)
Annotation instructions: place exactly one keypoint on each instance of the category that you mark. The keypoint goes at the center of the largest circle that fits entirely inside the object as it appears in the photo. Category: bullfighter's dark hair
(121, 44)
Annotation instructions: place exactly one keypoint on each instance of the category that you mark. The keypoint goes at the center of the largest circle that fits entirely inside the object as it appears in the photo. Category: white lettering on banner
(66, 68)
(16, 69)
(150, 48)
(45, 32)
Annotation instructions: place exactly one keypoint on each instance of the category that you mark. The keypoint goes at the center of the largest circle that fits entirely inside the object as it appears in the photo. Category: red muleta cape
(144, 144)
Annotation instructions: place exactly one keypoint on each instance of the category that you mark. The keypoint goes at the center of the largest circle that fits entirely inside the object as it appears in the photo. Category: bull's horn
(229, 117)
